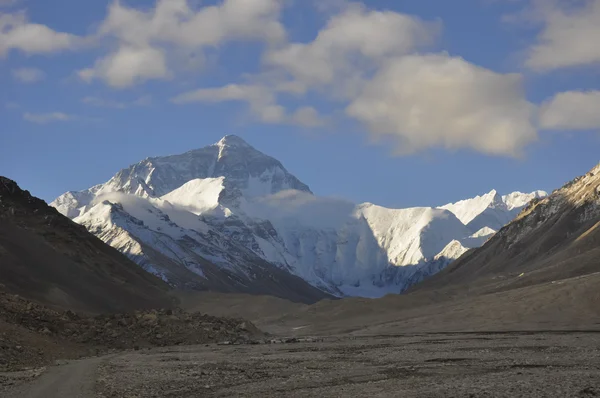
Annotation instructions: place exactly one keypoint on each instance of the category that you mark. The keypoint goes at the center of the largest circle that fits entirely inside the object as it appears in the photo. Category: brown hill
(46, 257)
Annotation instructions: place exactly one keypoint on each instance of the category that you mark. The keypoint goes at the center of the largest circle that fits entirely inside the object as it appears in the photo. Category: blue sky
(398, 103)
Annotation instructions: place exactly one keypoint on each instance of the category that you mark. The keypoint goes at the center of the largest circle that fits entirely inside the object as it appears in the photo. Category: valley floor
(508, 364)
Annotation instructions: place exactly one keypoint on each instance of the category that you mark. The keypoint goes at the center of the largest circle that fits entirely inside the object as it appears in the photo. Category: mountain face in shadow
(46, 257)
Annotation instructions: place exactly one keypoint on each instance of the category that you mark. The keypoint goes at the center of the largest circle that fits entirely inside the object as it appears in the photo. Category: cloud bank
(569, 35)
(442, 101)
(572, 110)
(18, 34)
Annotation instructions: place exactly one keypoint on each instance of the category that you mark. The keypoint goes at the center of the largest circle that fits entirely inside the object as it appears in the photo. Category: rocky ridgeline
(21, 208)
(141, 329)
(576, 203)
(11, 196)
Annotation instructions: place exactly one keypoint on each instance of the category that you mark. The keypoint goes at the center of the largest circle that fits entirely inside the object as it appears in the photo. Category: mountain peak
(493, 198)
(231, 140)
(246, 172)
(491, 209)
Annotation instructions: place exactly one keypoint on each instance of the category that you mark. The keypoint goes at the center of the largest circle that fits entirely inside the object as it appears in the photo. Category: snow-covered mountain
(229, 217)
(491, 210)
(243, 171)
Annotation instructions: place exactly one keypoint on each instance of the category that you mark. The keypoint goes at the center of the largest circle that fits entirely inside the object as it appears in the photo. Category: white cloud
(104, 103)
(260, 98)
(442, 101)
(351, 44)
(16, 33)
(262, 103)
(232, 92)
(143, 38)
(129, 66)
(572, 110)
(308, 116)
(28, 75)
(569, 36)
(44, 118)
(175, 22)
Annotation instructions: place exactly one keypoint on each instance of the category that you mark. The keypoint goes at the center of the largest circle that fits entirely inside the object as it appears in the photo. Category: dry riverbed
(427, 365)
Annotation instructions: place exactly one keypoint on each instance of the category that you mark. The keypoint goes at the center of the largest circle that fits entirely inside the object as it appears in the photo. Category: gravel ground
(439, 365)
(426, 365)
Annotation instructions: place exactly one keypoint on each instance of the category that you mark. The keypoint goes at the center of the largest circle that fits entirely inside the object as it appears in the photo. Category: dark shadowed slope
(46, 257)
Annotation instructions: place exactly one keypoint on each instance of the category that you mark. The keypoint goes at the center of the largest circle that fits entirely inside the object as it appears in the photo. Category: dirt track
(427, 365)
(71, 379)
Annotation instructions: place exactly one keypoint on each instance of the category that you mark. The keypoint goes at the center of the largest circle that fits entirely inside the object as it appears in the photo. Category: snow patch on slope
(491, 210)
(411, 235)
(453, 250)
(466, 210)
(197, 196)
(483, 232)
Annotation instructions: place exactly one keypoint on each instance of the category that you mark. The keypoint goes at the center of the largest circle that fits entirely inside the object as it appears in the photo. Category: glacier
(228, 217)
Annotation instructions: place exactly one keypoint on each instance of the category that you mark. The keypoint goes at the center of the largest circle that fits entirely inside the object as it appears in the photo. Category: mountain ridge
(553, 238)
(157, 176)
(250, 204)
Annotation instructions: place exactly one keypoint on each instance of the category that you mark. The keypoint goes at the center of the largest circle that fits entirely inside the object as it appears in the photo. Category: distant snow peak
(483, 232)
(453, 250)
(493, 194)
(520, 200)
(491, 210)
(230, 142)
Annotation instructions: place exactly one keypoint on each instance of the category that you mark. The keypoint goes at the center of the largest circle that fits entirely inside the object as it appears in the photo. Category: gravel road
(75, 379)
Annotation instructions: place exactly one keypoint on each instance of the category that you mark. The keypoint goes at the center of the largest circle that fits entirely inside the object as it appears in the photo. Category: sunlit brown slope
(554, 239)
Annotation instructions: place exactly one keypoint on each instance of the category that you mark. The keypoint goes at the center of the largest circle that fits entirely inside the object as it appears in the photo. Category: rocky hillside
(33, 335)
(46, 257)
(552, 239)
